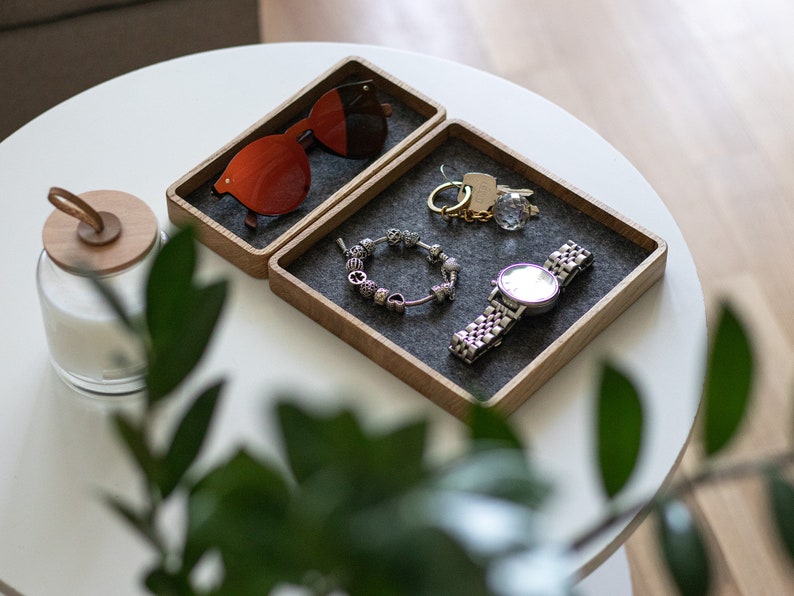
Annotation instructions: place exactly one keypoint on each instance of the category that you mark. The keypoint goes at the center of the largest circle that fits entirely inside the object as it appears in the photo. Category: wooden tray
(309, 272)
(219, 222)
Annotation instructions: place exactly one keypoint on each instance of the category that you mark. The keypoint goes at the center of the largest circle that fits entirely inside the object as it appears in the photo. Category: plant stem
(683, 488)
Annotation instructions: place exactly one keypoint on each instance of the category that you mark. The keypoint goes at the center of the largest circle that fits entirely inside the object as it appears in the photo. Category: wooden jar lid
(129, 231)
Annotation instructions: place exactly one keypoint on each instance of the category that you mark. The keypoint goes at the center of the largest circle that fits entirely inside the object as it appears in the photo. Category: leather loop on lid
(96, 228)
(73, 205)
(103, 231)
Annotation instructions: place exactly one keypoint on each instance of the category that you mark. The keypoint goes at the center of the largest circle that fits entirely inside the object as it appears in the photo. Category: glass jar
(113, 236)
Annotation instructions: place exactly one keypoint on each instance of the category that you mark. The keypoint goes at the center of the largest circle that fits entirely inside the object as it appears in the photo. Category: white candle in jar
(90, 347)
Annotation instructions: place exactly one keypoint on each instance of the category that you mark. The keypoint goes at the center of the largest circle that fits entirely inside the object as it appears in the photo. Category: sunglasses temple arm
(306, 138)
(251, 220)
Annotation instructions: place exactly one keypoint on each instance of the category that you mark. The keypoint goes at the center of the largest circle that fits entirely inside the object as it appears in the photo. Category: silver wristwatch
(521, 289)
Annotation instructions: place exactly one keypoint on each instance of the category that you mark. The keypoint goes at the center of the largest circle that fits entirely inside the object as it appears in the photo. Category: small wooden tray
(219, 222)
(309, 272)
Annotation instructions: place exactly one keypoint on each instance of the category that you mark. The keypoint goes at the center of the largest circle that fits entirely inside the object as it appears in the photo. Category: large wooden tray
(309, 272)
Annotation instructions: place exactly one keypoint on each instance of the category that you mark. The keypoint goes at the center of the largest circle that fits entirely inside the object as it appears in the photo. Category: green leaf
(781, 502)
(404, 445)
(164, 583)
(241, 508)
(368, 467)
(237, 487)
(620, 428)
(500, 473)
(171, 362)
(135, 442)
(396, 458)
(488, 428)
(189, 438)
(169, 284)
(684, 550)
(314, 442)
(137, 521)
(417, 561)
(728, 382)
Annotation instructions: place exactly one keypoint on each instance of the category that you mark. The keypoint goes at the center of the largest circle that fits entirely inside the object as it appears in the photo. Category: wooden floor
(699, 96)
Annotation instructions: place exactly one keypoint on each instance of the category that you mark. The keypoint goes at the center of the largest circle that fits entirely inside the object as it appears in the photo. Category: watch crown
(493, 282)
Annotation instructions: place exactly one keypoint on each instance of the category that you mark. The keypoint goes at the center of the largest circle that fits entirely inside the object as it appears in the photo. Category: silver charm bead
(369, 245)
(394, 236)
(434, 253)
(449, 288)
(396, 302)
(449, 270)
(450, 265)
(439, 294)
(357, 252)
(356, 277)
(354, 264)
(410, 238)
(380, 296)
(368, 288)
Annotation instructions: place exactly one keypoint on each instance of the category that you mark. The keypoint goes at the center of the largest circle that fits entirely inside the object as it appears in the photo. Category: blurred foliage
(351, 511)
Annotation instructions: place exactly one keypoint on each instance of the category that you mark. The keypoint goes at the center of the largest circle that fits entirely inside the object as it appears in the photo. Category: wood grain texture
(138, 234)
(698, 96)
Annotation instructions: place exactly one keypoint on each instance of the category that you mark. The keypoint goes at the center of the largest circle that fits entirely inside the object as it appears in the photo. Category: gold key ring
(455, 208)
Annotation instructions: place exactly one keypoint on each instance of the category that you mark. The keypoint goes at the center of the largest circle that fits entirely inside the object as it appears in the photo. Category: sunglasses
(271, 175)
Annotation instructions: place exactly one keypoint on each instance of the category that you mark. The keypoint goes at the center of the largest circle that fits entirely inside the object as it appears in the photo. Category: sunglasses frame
(219, 224)
(244, 175)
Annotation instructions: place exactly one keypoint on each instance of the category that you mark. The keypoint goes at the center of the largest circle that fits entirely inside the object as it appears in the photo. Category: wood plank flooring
(699, 96)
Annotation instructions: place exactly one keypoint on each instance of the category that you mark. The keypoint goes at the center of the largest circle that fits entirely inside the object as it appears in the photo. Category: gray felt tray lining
(483, 249)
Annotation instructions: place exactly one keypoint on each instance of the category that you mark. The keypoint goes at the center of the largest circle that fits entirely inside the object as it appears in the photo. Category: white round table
(139, 133)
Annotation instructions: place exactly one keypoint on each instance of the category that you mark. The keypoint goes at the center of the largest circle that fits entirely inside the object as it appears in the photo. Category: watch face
(529, 284)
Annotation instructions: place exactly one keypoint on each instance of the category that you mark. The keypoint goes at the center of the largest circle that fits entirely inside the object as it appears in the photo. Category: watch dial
(528, 284)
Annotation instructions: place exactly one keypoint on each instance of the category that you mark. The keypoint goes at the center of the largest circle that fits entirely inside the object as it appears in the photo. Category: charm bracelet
(395, 301)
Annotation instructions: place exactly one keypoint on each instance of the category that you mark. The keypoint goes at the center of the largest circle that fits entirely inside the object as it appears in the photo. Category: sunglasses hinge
(306, 139)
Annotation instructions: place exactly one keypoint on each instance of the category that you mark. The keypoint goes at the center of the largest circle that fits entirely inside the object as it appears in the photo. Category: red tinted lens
(349, 120)
(270, 176)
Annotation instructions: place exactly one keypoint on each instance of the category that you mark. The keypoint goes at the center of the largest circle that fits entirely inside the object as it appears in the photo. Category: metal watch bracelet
(501, 314)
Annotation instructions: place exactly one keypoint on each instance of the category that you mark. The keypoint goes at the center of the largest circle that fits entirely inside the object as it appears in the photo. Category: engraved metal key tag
(483, 191)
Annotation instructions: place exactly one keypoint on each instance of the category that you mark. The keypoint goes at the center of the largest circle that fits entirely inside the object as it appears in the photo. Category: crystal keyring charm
(512, 211)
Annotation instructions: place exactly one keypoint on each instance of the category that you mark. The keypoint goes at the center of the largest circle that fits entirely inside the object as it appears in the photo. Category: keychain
(481, 199)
